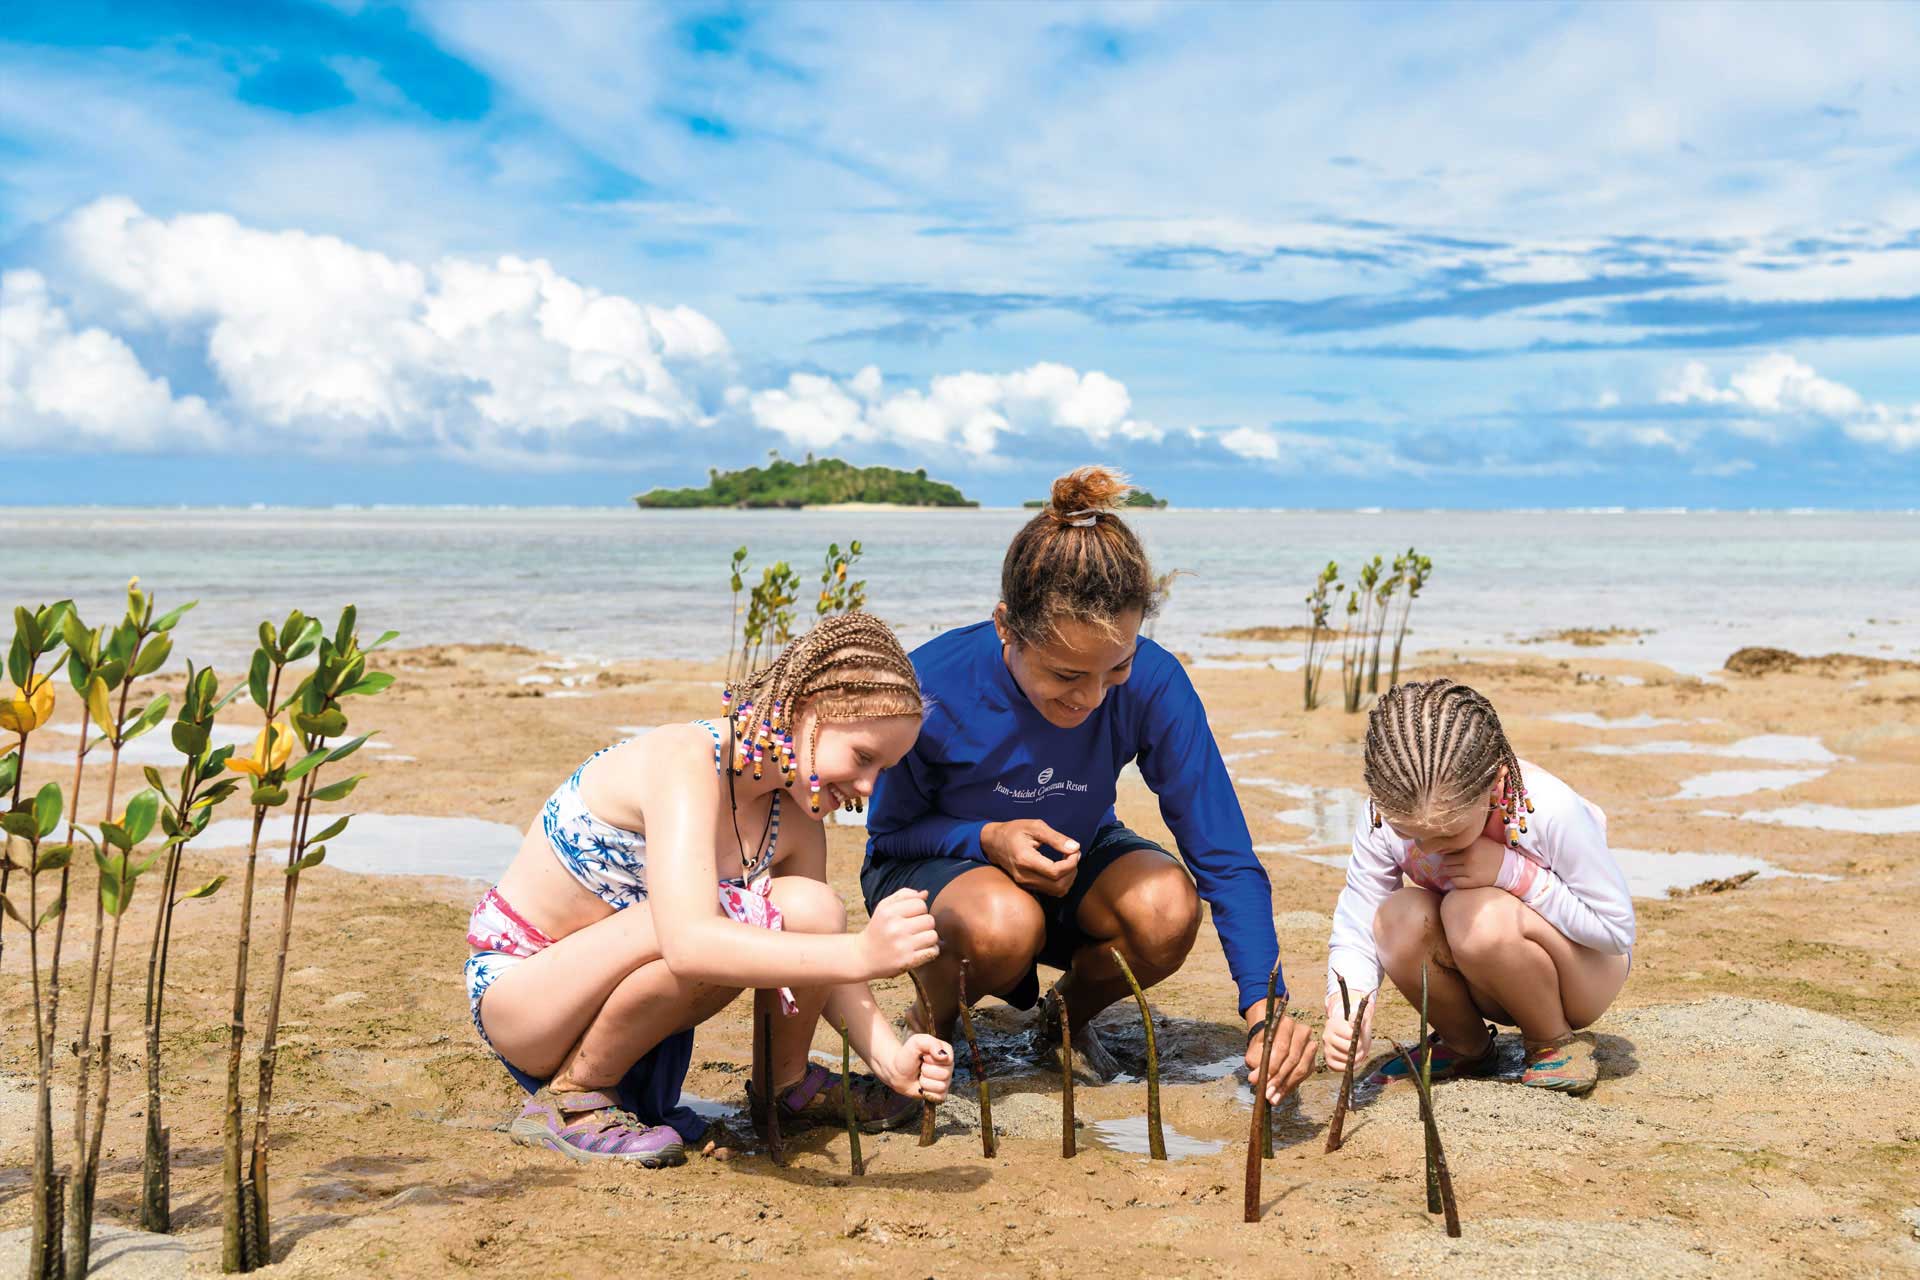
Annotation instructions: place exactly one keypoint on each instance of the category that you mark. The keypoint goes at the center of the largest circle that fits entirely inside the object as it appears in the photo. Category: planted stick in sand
(763, 1071)
(926, 1021)
(1260, 1138)
(846, 1094)
(1437, 1172)
(1426, 1087)
(1358, 1019)
(1066, 1075)
(1156, 1138)
(987, 1145)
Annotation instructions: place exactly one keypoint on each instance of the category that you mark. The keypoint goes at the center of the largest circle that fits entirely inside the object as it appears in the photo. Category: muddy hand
(1289, 1063)
(1339, 1040)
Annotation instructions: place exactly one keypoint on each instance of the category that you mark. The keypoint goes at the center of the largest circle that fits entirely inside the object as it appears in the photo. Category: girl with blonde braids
(674, 870)
(1511, 903)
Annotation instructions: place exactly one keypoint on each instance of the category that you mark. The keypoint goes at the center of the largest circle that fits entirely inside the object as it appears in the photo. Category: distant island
(816, 482)
(1138, 498)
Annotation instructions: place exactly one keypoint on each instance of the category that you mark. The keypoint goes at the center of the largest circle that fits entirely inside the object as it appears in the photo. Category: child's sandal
(1565, 1065)
(817, 1097)
(591, 1126)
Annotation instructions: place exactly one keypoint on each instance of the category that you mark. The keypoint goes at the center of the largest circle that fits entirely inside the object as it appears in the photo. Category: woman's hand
(1021, 849)
(900, 935)
(1291, 1060)
(1340, 1041)
(920, 1068)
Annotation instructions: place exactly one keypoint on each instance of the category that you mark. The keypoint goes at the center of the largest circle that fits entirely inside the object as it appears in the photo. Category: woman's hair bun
(1088, 489)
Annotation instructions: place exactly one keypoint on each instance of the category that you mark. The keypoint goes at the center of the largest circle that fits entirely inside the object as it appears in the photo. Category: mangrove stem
(763, 1067)
(1437, 1170)
(1156, 1137)
(1260, 1136)
(926, 1020)
(1066, 1074)
(846, 1096)
(1359, 1019)
(987, 1144)
(1426, 1086)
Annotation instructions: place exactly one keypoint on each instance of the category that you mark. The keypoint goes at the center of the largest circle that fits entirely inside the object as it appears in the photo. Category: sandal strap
(807, 1089)
(588, 1100)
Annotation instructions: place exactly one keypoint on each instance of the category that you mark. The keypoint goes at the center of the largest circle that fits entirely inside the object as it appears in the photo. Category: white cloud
(64, 386)
(478, 358)
(968, 410)
(1778, 392)
(1304, 450)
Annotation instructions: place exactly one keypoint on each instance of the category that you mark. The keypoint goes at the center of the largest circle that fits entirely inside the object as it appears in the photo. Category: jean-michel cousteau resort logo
(1046, 787)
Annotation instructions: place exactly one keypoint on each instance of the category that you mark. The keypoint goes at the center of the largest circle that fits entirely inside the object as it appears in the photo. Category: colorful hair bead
(813, 792)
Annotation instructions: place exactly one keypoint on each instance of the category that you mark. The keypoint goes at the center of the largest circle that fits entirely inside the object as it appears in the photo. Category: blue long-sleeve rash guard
(985, 754)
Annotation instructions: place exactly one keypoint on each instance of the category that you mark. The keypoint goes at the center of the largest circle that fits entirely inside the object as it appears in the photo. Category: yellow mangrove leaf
(265, 758)
(25, 710)
(97, 705)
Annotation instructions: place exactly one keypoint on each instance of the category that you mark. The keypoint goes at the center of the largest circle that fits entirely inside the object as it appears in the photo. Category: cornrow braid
(1433, 749)
(850, 667)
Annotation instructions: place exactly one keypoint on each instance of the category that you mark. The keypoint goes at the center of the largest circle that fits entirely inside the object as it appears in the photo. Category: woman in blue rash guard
(1003, 811)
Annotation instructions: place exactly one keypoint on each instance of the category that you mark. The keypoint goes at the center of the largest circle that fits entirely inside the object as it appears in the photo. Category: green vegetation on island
(1138, 498)
(812, 483)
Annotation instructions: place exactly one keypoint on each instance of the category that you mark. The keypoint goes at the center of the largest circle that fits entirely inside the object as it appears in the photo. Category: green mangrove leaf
(260, 672)
(154, 712)
(337, 791)
(378, 682)
(139, 818)
(6, 904)
(18, 659)
(46, 808)
(385, 637)
(189, 739)
(333, 829)
(307, 764)
(267, 795)
(116, 835)
(206, 890)
(54, 908)
(329, 723)
(9, 770)
(28, 630)
(153, 655)
(344, 632)
(52, 858)
(170, 618)
(346, 749)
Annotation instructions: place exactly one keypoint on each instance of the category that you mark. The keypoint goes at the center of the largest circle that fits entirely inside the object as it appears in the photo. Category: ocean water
(613, 583)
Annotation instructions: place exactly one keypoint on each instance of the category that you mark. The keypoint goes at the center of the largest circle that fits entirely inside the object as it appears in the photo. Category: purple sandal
(818, 1098)
(591, 1126)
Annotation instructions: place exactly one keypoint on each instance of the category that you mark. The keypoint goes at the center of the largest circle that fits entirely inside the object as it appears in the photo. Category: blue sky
(1541, 255)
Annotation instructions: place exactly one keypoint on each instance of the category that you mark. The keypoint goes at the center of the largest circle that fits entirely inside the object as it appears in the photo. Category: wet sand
(1755, 1112)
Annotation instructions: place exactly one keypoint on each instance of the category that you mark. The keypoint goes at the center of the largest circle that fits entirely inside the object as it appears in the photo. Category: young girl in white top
(1490, 872)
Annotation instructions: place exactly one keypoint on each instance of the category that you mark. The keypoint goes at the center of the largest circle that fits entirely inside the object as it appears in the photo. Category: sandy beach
(1755, 1109)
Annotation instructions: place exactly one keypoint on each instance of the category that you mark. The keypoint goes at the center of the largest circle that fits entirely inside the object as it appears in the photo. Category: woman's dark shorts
(882, 876)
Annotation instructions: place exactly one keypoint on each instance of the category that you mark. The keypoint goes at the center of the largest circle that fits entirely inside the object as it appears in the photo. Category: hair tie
(1081, 519)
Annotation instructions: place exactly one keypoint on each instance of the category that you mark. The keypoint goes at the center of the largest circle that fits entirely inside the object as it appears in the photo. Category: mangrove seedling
(1319, 635)
(736, 583)
(927, 1122)
(266, 766)
(769, 623)
(1353, 642)
(1414, 569)
(1439, 1176)
(846, 1096)
(987, 1145)
(1260, 1136)
(1426, 1084)
(1058, 1003)
(37, 635)
(1156, 1136)
(837, 593)
(1356, 1019)
(103, 671)
(317, 717)
(1382, 605)
(202, 785)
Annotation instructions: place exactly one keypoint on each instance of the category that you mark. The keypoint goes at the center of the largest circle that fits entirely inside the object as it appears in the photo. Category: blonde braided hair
(849, 667)
(1433, 749)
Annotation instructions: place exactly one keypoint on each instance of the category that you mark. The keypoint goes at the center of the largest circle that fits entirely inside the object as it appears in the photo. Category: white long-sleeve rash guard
(1565, 872)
